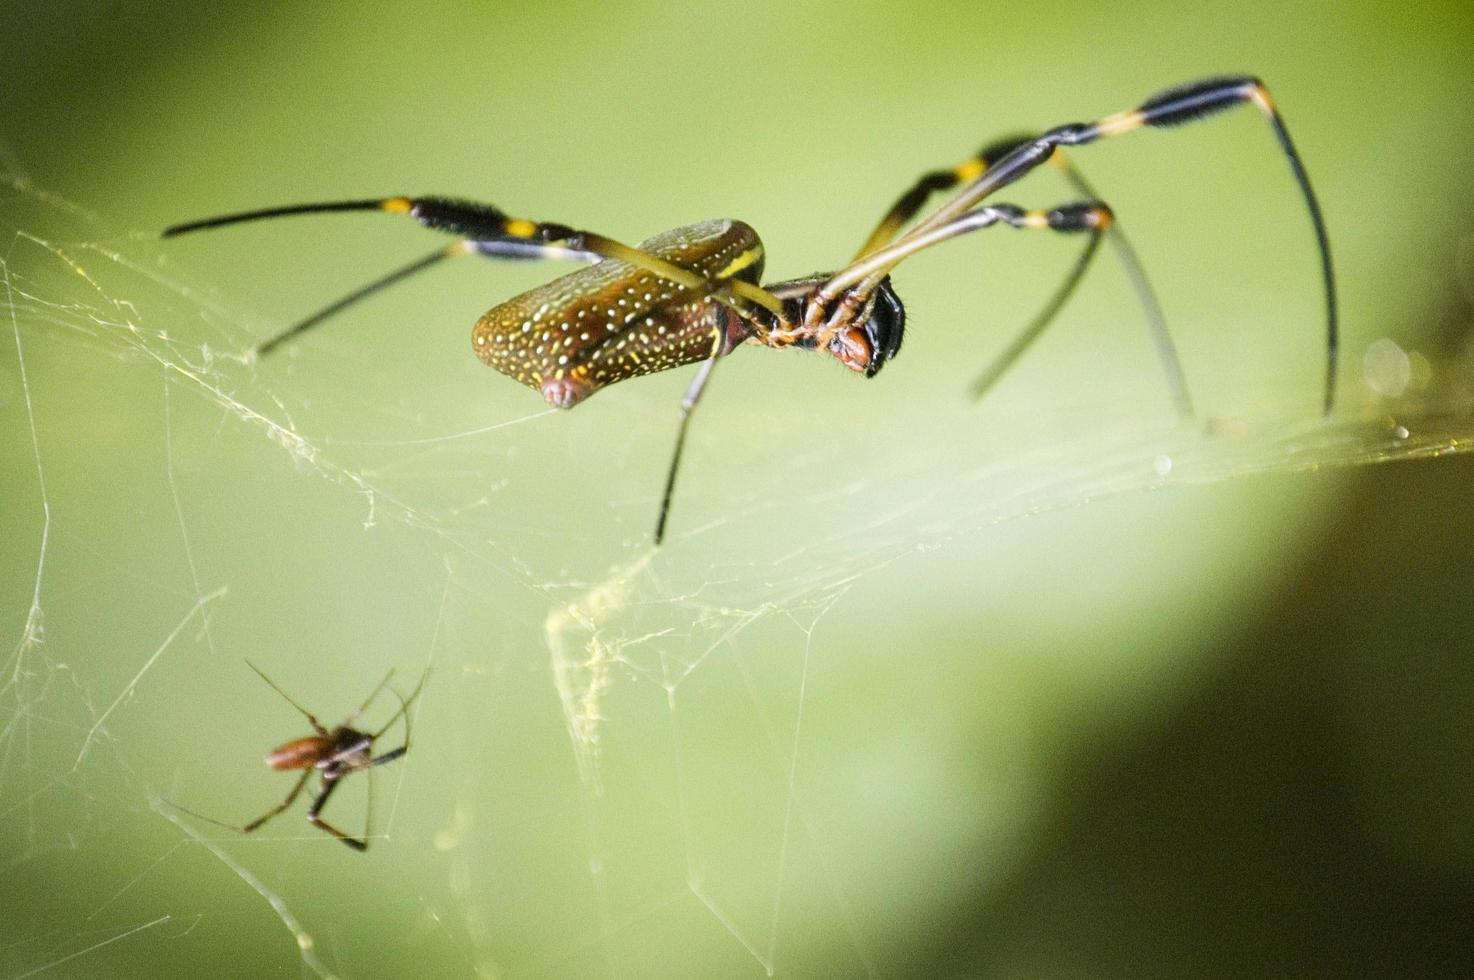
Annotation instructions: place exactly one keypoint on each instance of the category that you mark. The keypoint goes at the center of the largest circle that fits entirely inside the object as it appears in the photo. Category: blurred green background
(1048, 686)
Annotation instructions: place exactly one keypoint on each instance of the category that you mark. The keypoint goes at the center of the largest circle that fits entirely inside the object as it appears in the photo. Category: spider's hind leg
(314, 816)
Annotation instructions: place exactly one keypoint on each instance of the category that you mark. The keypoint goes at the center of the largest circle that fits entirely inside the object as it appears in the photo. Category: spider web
(705, 760)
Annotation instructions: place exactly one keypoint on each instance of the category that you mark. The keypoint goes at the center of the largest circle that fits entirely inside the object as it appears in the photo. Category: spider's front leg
(910, 204)
(847, 301)
(1172, 107)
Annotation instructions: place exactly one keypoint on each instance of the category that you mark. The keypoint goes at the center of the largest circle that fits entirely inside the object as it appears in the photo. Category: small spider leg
(314, 816)
(372, 694)
(484, 229)
(274, 811)
(1171, 107)
(403, 711)
(389, 756)
(316, 726)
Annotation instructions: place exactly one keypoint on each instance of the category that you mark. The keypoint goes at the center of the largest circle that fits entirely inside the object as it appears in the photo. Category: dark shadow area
(1309, 812)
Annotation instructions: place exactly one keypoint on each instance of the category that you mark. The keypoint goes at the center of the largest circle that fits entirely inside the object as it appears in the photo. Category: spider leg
(483, 229)
(343, 302)
(728, 291)
(316, 725)
(995, 371)
(909, 204)
(404, 704)
(759, 324)
(291, 798)
(491, 249)
(314, 816)
(1174, 106)
(372, 694)
(688, 404)
(389, 756)
(1146, 297)
(1093, 217)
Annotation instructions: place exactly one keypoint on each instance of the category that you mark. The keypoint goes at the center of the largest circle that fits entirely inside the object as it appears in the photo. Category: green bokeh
(857, 717)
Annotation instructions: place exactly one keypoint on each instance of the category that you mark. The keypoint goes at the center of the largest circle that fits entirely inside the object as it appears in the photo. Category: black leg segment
(1172, 107)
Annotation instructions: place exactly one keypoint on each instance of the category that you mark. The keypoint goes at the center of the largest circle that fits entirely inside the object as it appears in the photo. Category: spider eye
(885, 327)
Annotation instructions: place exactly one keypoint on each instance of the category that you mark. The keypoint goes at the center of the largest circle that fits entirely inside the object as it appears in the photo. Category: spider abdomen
(300, 753)
(614, 320)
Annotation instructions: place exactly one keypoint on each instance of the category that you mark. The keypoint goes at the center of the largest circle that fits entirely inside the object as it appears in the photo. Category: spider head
(874, 337)
(869, 337)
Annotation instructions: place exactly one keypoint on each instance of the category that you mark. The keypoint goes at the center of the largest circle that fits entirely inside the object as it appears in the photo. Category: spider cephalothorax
(864, 337)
